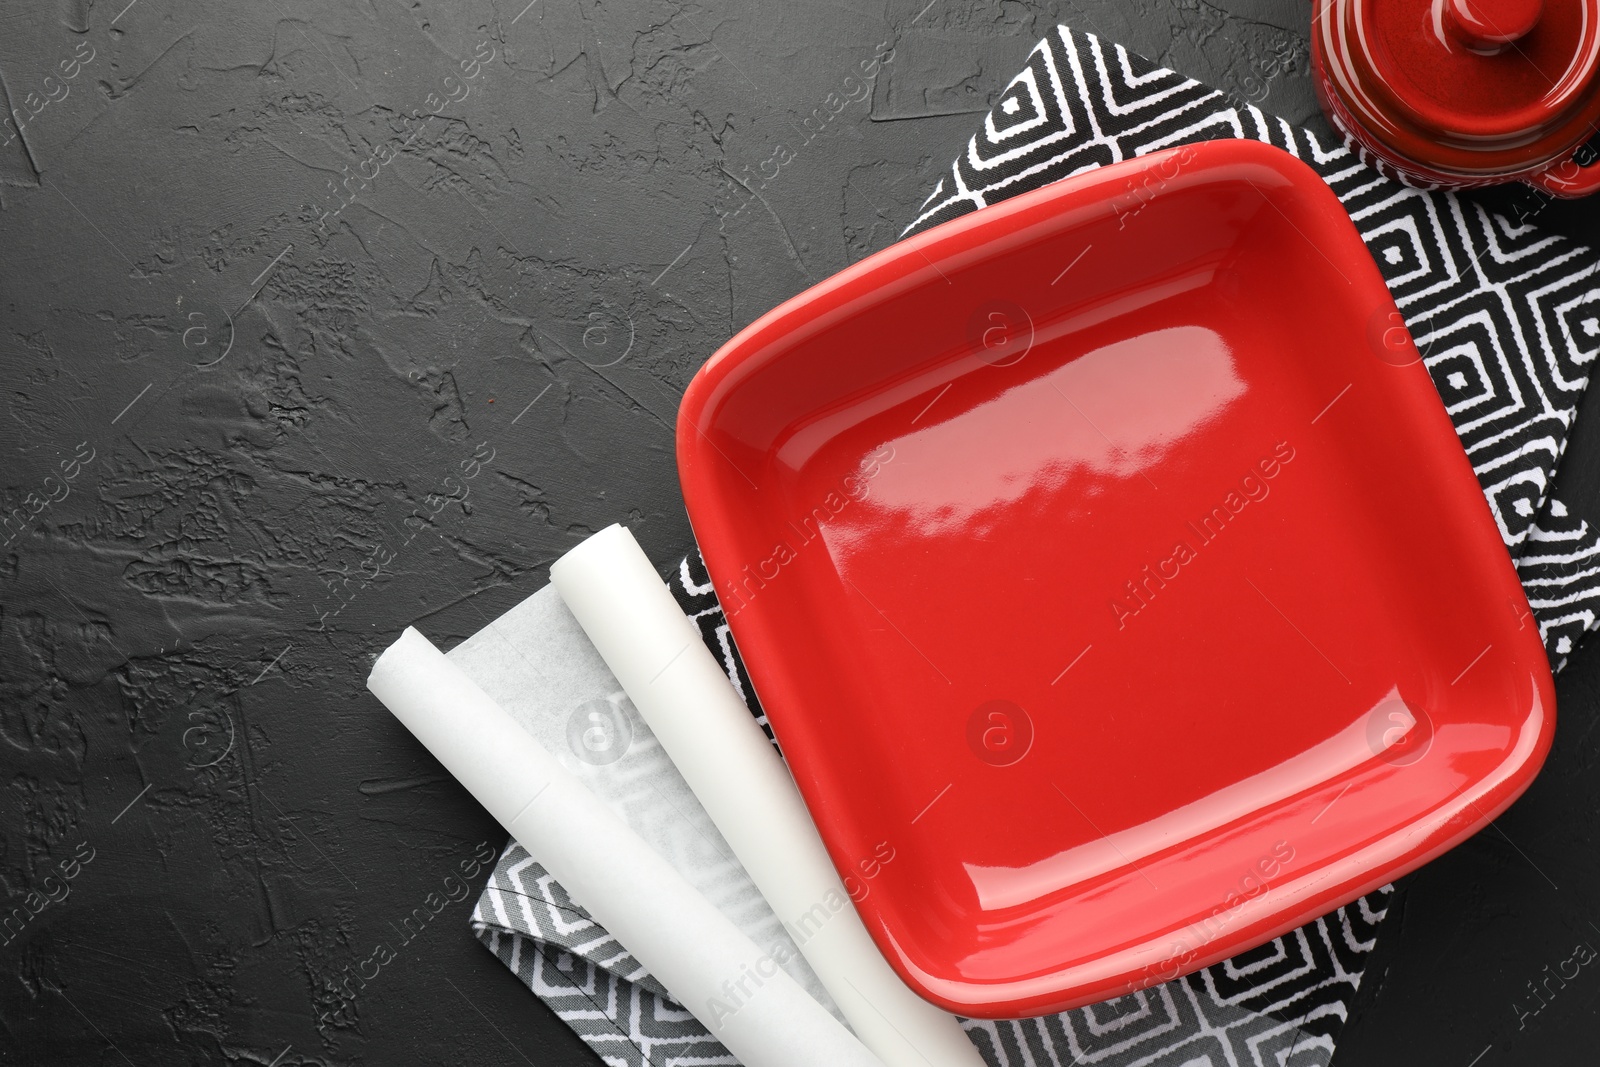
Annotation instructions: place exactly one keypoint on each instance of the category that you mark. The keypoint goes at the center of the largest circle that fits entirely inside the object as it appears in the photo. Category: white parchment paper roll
(752, 1006)
(681, 692)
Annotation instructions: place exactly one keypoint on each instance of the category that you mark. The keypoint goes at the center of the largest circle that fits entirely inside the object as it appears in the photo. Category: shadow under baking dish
(1107, 560)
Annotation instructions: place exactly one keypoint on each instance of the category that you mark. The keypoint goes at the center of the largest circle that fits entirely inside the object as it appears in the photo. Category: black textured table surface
(287, 368)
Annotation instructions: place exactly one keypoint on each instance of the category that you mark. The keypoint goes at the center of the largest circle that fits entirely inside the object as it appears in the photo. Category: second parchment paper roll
(657, 656)
(692, 948)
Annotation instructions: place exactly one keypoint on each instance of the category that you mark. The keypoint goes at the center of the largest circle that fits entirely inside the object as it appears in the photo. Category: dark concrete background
(339, 369)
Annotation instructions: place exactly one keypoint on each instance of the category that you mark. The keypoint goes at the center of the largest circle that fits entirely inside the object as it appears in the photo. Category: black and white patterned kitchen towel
(1508, 320)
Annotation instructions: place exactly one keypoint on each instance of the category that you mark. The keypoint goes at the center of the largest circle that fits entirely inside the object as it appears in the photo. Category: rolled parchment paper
(753, 1007)
(656, 653)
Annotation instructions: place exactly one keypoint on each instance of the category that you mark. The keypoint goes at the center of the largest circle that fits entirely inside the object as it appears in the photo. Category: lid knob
(1490, 25)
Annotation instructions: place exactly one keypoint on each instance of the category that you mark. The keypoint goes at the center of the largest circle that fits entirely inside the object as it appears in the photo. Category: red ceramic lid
(1468, 87)
(1113, 579)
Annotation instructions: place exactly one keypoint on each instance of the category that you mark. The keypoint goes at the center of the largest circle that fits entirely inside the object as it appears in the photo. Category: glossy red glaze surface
(1109, 554)
(1464, 92)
